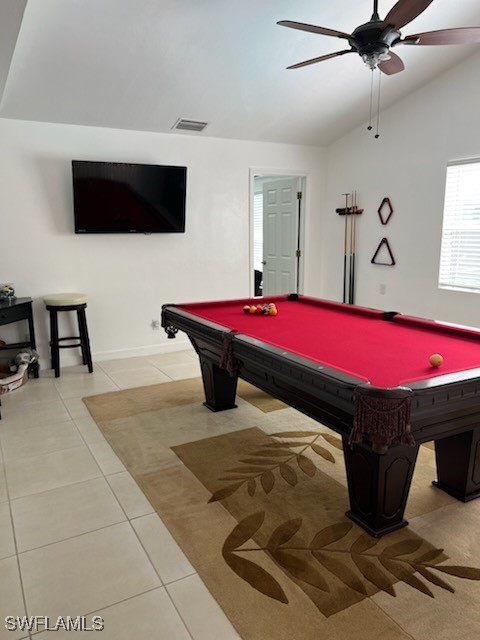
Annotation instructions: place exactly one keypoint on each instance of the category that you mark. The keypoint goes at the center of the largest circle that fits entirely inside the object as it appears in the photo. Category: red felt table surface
(354, 340)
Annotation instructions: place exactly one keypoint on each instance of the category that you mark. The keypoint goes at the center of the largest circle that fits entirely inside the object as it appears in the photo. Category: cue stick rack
(350, 211)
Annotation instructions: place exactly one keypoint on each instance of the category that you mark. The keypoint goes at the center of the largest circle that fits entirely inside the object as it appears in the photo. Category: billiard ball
(246, 309)
(436, 360)
(253, 309)
(272, 311)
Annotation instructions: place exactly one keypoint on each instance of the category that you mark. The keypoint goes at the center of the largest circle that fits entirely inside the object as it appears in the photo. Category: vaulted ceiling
(142, 64)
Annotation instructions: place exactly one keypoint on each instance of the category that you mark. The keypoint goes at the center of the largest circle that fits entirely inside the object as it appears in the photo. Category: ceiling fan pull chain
(377, 135)
(371, 104)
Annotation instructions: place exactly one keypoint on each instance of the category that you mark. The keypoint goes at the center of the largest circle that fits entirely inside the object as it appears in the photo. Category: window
(460, 252)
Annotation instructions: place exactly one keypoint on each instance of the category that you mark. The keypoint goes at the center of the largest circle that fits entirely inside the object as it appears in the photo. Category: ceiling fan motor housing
(373, 39)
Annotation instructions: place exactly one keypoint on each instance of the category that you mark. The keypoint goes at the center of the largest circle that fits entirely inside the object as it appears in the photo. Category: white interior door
(280, 236)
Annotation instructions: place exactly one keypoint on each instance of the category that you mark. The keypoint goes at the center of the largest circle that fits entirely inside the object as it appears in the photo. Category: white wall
(418, 136)
(128, 278)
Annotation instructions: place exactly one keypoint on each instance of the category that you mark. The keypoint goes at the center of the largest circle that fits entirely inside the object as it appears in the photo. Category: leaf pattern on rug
(317, 562)
(258, 467)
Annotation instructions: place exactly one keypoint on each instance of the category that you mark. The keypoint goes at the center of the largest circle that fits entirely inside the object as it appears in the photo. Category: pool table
(362, 372)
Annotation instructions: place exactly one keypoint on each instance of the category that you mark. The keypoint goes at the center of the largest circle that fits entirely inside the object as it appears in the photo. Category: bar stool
(68, 302)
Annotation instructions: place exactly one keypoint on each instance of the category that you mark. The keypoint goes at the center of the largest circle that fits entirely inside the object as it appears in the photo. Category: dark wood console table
(15, 311)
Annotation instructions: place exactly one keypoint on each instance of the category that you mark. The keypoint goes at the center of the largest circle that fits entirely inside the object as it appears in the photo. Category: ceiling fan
(374, 40)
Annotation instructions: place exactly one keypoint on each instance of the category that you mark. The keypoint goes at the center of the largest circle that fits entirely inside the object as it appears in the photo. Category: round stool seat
(64, 299)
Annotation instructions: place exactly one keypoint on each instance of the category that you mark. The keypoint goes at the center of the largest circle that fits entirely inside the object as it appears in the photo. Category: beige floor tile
(139, 377)
(25, 442)
(78, 387)
(3, 485)
(35, 390)
(202, 615)
(69, 371)
(76, 408)
(122, 364)
(165, 554)
(45, 472)
(11, 600)
(150, 616)
(129, 495)
(89, 430)
(55, 515)
(106, 458)
(7, 544)
(182, 371)
(86, 573)
(175, 357)
(34, 414)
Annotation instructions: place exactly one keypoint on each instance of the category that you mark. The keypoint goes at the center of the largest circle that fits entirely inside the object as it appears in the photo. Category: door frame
(304, 208)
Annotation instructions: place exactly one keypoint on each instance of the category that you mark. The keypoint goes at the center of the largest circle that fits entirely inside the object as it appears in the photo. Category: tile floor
(77, 536)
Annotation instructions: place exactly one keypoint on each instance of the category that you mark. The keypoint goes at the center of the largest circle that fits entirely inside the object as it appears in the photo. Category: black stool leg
(84, 339)
(54, 348)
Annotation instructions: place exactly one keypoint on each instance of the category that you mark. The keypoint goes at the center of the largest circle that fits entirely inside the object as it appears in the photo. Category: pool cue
(299, 201)
(350, 254)
(352, 258)
(345, 250)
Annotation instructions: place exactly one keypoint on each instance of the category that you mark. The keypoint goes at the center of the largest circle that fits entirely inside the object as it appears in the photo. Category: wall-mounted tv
(114, 197)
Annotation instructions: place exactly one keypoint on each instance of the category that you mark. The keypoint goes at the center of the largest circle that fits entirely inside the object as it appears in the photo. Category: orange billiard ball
(272, 311)
(253, 309)
(436, 360)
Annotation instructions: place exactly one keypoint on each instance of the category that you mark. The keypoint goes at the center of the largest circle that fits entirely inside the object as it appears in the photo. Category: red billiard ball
(436, 360)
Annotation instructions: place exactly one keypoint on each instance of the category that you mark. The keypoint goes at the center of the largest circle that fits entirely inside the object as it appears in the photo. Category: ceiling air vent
(189, 125)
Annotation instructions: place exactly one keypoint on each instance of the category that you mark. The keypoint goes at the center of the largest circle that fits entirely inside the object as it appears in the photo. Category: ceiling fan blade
(391, 66)
(301, 26)
(405, 11)
(465, 35)
(326, 57)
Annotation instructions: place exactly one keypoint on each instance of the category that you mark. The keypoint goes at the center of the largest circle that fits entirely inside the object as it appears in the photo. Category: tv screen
(113, 197)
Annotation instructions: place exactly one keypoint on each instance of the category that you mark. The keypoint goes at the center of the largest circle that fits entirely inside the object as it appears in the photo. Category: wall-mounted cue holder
(343, 211)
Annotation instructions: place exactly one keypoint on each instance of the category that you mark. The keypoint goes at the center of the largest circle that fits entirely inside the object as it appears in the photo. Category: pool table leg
(458, 465)
(219, 386)
(378, 486)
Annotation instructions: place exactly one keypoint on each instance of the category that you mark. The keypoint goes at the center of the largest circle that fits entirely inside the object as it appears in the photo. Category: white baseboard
(148, 350)
(72, 358)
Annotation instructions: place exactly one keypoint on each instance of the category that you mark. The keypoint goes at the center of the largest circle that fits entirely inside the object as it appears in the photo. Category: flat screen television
(114, 197)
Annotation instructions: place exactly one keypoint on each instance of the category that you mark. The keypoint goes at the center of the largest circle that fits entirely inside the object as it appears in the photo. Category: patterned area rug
(256, 498)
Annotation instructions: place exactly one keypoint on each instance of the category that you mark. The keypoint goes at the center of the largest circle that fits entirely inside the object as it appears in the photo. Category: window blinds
(460, 251)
